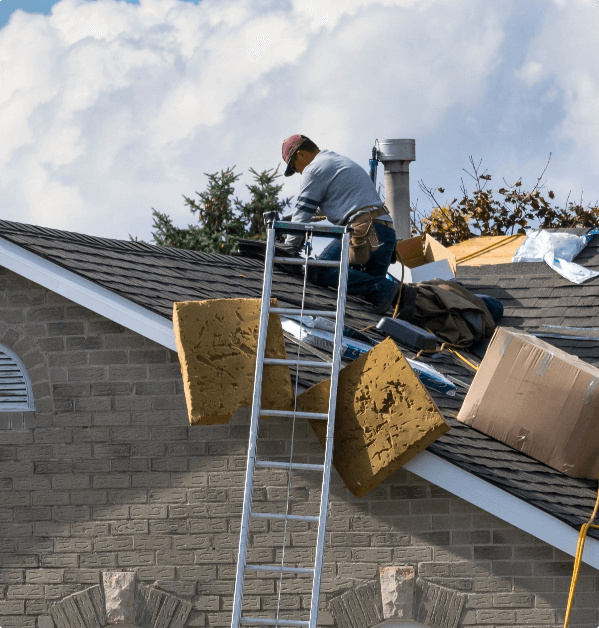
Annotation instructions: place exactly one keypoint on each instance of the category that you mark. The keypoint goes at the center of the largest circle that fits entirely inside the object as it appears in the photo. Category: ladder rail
(254, 424)
(252, 463)
(326, 482)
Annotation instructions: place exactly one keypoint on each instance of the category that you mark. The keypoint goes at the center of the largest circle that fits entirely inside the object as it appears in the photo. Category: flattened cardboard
(538, 399)
(384, 417)
(216, 342)
(435, 270)
(417, 254)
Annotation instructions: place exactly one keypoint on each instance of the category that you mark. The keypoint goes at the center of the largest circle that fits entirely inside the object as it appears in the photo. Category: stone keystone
(119, 592)
(397, 591)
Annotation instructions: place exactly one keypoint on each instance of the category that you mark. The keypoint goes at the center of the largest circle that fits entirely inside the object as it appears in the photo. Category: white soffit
(87, 293)
(502, 505)
(426, 465)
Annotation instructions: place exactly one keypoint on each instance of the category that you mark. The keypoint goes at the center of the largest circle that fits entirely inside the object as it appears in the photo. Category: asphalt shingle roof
(533, 296)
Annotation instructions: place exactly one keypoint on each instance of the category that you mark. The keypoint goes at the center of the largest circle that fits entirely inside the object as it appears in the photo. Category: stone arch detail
(398, 594)
(120, 600)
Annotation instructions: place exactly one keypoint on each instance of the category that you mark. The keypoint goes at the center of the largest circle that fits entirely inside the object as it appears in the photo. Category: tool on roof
(331, 369)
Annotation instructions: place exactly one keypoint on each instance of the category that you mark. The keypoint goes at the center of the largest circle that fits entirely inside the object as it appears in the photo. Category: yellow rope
(464, 359)
(578, 559)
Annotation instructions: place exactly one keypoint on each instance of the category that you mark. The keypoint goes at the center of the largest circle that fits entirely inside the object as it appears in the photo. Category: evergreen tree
(222, 219)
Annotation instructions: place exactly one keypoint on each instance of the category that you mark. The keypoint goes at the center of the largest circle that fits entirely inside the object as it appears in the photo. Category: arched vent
(15, 386)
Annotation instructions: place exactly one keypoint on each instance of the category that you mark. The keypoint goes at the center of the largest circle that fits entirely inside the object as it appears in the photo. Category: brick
(494, 617)
(65, 329)
(152, 542)
(12, 576)
(43, 576)
(86, 374)
(71, 390)
(73, 545)
(24, 591)
(492, 552)
(129, 527)
(62, 482)
(12, 607)
(105, 389)
(512, 568)
(52, 498)
(471, 537)
(154, 388)
(113, 543)
(60, 560)
(33, 514)
(148, 356)
(90, 529)
(110, 480)
(98, 559)
(107, 357)
(535, 616)
(89, 497)
(82, 576)
(513, 600)
(82, 343)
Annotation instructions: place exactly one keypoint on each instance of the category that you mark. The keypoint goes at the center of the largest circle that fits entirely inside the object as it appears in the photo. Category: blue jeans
(368, 281)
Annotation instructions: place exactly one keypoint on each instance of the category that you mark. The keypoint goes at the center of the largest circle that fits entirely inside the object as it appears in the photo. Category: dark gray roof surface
(155, 277)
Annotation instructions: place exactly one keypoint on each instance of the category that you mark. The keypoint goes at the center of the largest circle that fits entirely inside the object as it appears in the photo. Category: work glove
(288, 250)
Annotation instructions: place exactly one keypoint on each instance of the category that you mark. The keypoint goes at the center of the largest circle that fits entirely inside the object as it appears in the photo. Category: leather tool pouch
(363, 239)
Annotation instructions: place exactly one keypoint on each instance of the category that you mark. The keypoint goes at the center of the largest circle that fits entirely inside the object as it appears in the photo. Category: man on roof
(339, 189)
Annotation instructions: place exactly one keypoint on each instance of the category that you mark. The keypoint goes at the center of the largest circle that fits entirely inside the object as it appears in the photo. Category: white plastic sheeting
(557, 250)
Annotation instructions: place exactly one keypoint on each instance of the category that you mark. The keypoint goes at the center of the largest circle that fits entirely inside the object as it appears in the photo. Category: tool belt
(363, 239)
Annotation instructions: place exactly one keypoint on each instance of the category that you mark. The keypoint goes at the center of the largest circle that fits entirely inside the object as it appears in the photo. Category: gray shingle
(155, 277)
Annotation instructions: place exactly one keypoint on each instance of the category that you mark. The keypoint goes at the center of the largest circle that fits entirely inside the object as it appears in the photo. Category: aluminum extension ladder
(243, 569)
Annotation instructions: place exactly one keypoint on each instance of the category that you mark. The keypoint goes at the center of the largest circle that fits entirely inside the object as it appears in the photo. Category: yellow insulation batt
(384, 417)
(217, 342)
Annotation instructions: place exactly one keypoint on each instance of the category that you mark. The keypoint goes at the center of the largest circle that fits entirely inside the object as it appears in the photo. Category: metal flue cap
(397, 150)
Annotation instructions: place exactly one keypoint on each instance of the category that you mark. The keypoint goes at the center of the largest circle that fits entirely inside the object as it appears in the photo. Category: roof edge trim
(502, 505)
(87, 293)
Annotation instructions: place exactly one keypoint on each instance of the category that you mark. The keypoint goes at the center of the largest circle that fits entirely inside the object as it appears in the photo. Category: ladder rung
(301, 261)
(280, 569)
(296, 311)
(299, 363)
(269, 515)
(300, 466)
(259, 621)
(299, 415)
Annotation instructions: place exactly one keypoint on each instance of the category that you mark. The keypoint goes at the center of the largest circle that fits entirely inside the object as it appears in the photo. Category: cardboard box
(424, 259)
(384, 417)
(216, 342)
(538, 399)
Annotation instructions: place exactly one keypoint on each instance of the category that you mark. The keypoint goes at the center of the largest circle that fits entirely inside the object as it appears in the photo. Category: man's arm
(306, 206)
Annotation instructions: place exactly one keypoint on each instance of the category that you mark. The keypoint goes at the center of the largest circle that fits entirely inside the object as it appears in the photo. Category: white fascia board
(502, 505)
(87, 293)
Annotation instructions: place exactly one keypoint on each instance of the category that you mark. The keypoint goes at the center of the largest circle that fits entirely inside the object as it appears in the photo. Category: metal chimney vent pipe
(396, 156)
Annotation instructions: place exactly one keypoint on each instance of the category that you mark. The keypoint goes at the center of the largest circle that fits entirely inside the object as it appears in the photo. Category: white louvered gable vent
(15, 386)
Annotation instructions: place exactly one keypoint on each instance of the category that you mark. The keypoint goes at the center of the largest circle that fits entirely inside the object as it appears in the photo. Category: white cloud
(108, 108)
(563, 64)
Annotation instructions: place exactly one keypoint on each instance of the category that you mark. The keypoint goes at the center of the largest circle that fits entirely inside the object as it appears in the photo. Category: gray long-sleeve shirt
(337, 187)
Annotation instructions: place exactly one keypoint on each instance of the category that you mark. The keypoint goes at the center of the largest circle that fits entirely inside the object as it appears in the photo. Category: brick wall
(107, 475)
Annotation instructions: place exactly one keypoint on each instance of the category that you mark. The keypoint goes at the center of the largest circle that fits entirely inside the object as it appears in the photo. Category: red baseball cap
(290, 147)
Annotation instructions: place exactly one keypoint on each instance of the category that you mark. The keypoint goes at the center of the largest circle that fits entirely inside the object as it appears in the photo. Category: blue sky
(109, 108)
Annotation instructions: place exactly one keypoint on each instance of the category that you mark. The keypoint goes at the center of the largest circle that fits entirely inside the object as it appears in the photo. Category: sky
(109, 108)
